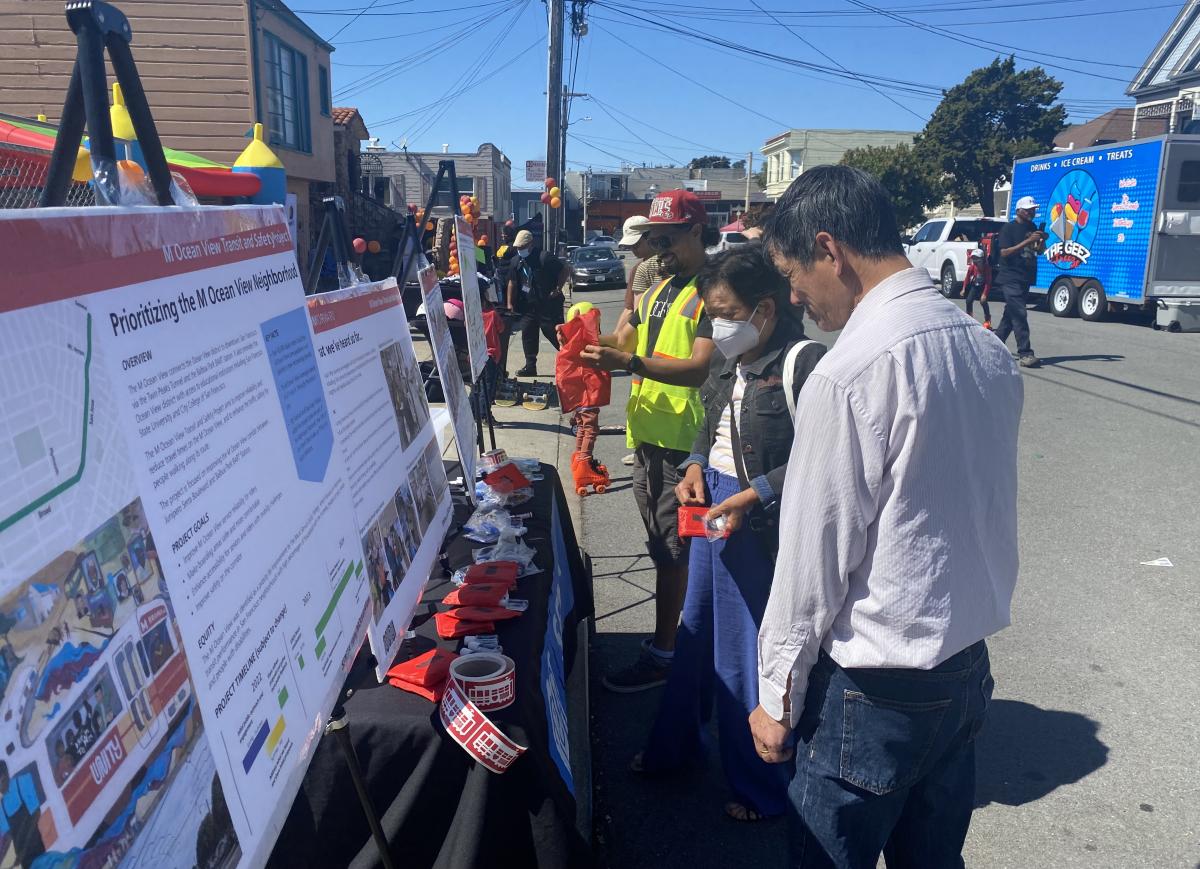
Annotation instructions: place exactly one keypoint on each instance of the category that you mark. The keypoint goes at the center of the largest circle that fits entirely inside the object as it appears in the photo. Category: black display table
(437, 806)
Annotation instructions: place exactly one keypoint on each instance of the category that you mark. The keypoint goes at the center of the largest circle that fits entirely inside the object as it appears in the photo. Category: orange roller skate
(588, 472)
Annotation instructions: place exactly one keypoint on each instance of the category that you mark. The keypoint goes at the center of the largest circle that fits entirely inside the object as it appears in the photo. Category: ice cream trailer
(1123, 226)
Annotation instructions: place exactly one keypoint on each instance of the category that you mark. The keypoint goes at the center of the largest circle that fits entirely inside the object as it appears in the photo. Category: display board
(381, 425)
(473, 307)
(181, 582)
(450, 375)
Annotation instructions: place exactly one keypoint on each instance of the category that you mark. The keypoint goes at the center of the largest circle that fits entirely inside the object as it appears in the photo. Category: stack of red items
(477, 601)
(506, 479)
(425, 675)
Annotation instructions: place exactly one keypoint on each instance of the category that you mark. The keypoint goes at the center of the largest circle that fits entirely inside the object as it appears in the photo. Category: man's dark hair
(847, 203)
(747, 272)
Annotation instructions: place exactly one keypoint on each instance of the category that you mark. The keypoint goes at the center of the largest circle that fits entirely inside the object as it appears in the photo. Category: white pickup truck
(942, 246)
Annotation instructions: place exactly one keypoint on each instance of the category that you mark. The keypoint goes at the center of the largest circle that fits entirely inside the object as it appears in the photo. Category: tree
(912, 181)
(712, 161)
(995, 116)
(738, 164)
(760, 178)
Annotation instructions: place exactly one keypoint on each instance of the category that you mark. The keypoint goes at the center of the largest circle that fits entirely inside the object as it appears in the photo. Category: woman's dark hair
(748, 273)
(847, 203)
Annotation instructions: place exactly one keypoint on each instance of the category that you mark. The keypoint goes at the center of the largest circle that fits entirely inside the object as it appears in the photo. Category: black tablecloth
(437, 806)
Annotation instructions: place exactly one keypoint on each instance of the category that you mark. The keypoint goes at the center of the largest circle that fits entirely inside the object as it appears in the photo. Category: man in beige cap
(535, 296)
(648, 272)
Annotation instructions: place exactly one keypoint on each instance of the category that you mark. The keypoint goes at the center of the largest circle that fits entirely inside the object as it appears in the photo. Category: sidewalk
(637, 822)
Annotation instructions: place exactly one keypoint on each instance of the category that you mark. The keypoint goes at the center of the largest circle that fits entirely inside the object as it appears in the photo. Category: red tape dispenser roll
(479, 682)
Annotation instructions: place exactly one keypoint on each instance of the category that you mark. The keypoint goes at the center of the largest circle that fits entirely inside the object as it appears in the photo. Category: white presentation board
(473, 307)
(181, 580)
(450, 375)
(381, 425)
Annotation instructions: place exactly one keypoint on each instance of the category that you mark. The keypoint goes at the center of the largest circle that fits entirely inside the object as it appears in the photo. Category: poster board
(383, 432)
(179, 570)
(476, 341)
(450, 376)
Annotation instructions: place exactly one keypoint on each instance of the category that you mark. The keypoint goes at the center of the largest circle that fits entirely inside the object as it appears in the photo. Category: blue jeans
(716, 663)
(885, 763)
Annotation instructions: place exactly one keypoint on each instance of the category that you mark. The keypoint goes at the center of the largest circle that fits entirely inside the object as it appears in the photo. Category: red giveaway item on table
(424, 675)
(493, 328)
(579, 384)
(487, 614)
(478, 594)
(492, 571)
(451, 627)
(507, 478)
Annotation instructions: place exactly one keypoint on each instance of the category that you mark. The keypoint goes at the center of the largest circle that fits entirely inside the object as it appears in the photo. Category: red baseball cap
(672, 208)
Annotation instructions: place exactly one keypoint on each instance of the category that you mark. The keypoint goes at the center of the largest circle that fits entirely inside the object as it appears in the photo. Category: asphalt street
(1089, 755)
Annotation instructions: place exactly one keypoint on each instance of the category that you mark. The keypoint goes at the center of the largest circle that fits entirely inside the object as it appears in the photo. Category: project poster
(449, 374)
(473, 307)
(382, 430)
(174, 626)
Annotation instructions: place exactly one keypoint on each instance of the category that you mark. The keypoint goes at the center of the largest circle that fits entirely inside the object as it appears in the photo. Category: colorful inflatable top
(207, 178)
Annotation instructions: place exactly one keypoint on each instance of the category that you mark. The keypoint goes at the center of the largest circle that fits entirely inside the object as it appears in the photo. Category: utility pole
(554, 118)
(749, 175)
(587, 194)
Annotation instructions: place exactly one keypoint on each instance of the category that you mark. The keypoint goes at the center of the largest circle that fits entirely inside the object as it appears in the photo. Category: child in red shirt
(979, 283)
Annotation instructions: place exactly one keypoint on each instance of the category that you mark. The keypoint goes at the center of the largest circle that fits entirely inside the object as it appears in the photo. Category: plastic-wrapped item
(531, 468)
(489, 498)
(508, 548)
(486, 524)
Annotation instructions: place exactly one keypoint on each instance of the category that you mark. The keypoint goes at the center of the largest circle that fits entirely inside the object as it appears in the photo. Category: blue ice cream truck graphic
(1123, 226)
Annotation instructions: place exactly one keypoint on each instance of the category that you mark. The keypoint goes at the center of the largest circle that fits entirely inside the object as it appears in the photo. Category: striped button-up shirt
(898, 525)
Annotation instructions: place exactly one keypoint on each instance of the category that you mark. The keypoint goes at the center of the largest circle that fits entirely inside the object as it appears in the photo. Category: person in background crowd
(20, 811)
(666, 346)
(900, 550)
(737, 466)
(1018, 242)
(753, 220)
(505, 254)
(535, 294)
(979, 283)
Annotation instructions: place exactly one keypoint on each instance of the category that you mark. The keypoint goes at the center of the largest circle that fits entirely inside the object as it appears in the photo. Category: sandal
(743, 813)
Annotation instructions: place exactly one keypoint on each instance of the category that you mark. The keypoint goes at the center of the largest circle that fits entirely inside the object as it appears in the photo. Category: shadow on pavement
(653, 823)
(1024, 752)
(1087, 357)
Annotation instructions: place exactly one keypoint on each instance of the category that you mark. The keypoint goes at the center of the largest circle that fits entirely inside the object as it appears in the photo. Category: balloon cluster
(361, 245)
(418, 214)
(553, 195)
(470, 208)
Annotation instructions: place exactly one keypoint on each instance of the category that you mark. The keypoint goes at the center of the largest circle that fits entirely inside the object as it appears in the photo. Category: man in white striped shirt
(898, 549)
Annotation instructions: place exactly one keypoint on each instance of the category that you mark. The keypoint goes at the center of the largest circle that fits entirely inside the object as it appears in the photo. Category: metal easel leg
(339, 726)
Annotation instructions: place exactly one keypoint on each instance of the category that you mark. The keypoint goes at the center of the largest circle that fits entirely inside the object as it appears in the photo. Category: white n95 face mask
(735, 337)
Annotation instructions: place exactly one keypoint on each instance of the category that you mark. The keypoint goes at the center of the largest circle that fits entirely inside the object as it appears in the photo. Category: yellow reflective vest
(658, 413)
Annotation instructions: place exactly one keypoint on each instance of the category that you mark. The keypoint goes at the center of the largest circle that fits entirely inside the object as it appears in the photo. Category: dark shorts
(655, 476)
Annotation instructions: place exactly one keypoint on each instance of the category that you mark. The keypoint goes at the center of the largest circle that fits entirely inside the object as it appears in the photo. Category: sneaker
(987, 324)
(629, 459)
(527, 371)
(645, 673)
(1029, 361)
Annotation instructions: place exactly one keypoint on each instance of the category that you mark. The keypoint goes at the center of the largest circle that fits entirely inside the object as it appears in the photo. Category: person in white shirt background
(898, 550)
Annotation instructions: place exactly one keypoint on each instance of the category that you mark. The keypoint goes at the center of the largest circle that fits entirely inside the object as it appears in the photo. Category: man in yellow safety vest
(666, 345)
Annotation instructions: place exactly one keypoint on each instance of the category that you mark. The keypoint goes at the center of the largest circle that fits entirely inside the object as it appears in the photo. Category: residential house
(486, 173)
(209, 70)
(1115, 125)
(790, 153)
(1167, 85)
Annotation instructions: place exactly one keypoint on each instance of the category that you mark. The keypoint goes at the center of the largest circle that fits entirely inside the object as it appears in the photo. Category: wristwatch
(635, 363)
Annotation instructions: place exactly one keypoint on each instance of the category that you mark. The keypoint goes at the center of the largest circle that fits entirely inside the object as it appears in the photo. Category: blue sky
(461, 73)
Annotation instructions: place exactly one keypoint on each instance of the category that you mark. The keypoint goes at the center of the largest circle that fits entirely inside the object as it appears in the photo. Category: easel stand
(333, 234)
(99, 26)
(339, 725)
(481, 392)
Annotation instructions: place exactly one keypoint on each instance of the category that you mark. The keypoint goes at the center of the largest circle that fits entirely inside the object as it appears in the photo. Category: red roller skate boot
(586, 472)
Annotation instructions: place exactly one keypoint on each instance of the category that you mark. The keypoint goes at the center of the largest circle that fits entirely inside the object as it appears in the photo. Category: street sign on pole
(535, 171)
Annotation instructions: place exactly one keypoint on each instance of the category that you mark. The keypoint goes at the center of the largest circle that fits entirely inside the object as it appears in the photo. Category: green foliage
(711, 161)
(995, 116)
(911, 179)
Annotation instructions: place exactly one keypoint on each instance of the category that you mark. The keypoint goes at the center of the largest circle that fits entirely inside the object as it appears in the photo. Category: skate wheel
(600, 489)
(581, 490)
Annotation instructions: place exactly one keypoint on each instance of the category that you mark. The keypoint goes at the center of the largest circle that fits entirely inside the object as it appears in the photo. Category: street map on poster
(473, 308)
(450, 375)
(382, 430)
(181, 586)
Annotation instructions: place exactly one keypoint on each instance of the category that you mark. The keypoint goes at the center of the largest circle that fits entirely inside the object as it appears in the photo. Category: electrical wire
(351, 21)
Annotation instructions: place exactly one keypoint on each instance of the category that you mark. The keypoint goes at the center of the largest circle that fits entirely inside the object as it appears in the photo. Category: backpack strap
(789, 374)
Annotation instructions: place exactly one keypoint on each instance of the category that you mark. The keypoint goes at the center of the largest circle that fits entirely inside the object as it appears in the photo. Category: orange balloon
(373, 246)
(429, 227)
(555, 202)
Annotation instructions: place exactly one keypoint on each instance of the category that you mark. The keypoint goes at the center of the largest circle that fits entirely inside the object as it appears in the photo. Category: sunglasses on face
(663, 242)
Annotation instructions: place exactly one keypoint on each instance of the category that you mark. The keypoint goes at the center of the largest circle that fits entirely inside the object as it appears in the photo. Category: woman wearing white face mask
(737, 465)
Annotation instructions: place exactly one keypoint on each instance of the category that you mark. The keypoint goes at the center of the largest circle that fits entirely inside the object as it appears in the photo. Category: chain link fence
(23, 175)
